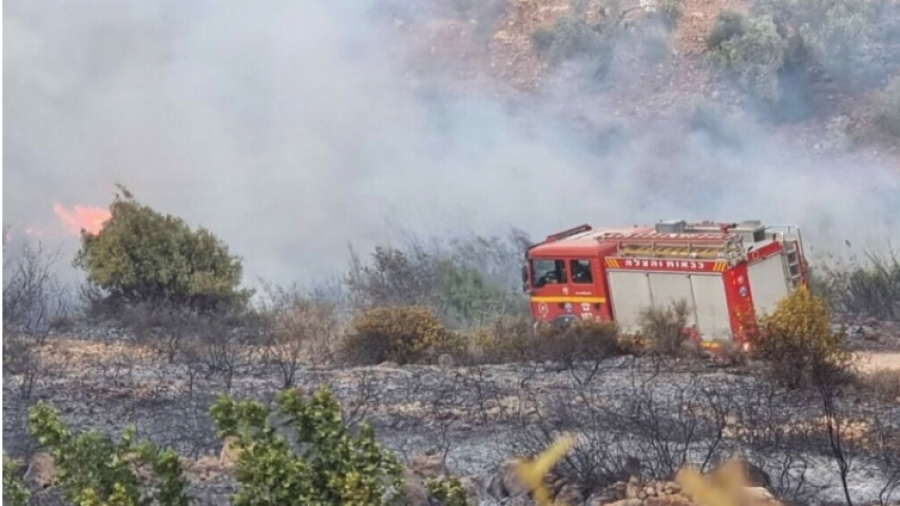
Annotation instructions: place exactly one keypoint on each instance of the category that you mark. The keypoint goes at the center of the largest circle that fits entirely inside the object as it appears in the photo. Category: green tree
(465, 292)
(753, 51)
(334, 466)
(141, 255)
(838, 34)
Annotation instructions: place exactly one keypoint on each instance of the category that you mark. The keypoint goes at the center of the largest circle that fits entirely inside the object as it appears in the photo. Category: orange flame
(90, 219)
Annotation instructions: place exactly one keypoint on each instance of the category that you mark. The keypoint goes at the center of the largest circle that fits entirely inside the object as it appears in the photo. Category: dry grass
(885, 383)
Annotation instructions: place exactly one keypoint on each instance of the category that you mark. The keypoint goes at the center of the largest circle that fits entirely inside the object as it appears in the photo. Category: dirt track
(874, 360)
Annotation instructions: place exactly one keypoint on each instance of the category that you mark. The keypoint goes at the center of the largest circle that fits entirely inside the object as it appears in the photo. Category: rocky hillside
(654, 73)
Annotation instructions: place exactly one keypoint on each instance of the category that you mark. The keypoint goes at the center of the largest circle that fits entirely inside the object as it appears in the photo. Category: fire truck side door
(584, 287)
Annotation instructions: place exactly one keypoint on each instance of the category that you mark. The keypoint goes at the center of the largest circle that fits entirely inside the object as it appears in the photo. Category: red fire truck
(725, 272)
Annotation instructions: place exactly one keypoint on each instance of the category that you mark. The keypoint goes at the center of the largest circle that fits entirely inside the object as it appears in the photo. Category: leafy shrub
(664, 329)
(14, 491)
(330, 466)
(465, 293)
(448, 491)
(837, 33)
(399, 334)
(141, 255)
(797, 339)
(887, 103)
(93, 470)
(754, 55)
(728, 25)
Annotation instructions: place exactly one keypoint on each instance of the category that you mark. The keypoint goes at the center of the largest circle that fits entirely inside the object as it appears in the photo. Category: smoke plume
(295, 129)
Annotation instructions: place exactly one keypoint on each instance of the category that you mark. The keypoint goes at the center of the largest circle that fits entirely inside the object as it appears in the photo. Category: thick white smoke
(293, 129)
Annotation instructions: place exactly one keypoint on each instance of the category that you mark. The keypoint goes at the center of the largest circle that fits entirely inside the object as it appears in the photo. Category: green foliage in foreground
(326, 465)
(94, 470)
(14, 491)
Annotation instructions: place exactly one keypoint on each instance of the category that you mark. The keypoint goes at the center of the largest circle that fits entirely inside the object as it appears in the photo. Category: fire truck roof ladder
(569, 232)
(683, 246)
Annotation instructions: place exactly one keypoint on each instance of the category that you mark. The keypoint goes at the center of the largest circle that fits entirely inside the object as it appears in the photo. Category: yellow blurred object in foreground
(532, 472)
(723, 487)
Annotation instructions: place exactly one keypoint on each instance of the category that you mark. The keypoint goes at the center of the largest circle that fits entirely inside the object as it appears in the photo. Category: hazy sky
(291, 130)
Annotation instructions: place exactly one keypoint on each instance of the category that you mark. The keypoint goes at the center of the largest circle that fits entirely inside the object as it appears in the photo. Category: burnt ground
(663, 412)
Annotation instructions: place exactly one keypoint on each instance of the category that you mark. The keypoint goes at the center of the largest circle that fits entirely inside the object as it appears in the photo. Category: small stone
(569, 494)
(428, 466)
(627, 502)
(632, 488)
(511, 483)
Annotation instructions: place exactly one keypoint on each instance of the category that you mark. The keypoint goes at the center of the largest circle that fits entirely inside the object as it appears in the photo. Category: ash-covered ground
(663, 412)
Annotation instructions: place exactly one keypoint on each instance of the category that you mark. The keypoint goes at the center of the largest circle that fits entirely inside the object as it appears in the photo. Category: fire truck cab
(725, 272)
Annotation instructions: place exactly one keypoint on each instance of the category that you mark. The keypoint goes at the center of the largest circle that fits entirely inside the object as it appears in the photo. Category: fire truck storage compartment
(768, 283)
(713, 318)
(634, 291)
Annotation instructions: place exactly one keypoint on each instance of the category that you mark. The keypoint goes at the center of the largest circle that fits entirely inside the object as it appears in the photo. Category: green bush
(14, 491)
(331, 467)
(93, 470)
(837, 33)
(754, 55)
(728, 25)
(797, 340)
(887, 104)
(404, 335)
(141, 255)
(448, 491)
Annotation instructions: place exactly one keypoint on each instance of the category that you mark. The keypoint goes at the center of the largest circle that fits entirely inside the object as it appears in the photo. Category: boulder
(414, 487)
(41, 471)
(505, 483)
(428, 466)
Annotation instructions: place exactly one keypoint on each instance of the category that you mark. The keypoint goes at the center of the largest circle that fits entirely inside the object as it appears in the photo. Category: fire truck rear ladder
(789, 236)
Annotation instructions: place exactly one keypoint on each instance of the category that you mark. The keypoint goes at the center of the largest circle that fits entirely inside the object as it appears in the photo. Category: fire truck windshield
(548, 271)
